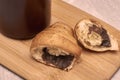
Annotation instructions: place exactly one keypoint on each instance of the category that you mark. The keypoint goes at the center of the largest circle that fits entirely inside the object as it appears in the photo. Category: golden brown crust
(81, 30)
(60, 36)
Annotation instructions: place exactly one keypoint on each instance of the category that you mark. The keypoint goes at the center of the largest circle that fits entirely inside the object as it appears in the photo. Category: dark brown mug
(23, 19)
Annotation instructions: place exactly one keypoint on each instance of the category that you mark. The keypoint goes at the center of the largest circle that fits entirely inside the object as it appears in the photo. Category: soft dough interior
(54, 57)
(94, 34)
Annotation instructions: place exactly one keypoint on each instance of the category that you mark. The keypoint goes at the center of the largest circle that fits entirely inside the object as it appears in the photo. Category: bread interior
(54, 57)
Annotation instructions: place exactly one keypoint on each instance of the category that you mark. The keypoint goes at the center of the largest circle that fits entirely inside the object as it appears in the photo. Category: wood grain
(93, 66)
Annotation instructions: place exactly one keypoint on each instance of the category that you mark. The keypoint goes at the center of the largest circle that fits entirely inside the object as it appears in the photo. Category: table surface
(106, 10)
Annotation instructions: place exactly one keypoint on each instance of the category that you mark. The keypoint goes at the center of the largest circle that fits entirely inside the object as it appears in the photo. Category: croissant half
(56, 46)
(93, 36)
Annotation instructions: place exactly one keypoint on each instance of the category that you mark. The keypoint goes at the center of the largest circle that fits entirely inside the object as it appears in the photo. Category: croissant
(56, 46)
(93, 36)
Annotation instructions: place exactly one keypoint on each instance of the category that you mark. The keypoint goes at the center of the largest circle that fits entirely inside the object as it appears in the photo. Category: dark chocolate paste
(103, 33)
(60, 61)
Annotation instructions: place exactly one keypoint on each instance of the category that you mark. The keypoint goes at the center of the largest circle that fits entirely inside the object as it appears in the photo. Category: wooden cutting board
(15, 55)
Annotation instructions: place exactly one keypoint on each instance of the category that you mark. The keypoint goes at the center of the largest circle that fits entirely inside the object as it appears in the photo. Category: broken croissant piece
(93, 36)
(56, 46)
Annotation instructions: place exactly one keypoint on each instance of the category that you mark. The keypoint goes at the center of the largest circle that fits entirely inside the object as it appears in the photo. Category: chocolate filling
(60, 61)
(103, 33)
